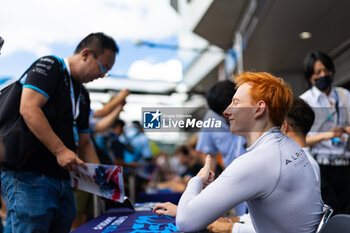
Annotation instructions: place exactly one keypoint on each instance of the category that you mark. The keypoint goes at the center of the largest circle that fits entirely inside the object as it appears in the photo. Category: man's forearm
(86, 151)
(106, 122)
(89, 155)
(108, 107)
(317, 138)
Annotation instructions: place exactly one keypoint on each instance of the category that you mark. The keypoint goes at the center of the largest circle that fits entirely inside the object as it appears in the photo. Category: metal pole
(238, 47)
(96, 206)
(132, 185)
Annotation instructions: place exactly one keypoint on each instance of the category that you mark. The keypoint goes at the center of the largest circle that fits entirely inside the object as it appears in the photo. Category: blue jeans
(37, 203)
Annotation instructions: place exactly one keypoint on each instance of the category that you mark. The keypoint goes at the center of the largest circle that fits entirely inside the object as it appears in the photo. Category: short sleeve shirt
(327, 117)
(48, 76)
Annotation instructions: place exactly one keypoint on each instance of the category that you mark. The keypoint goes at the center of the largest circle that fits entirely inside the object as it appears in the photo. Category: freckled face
(240, 113)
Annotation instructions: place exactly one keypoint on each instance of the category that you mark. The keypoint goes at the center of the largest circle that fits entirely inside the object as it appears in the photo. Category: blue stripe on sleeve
(37, 89)
(84, 131)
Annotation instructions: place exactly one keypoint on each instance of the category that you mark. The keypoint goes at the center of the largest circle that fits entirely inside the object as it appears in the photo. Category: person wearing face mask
(329, 136)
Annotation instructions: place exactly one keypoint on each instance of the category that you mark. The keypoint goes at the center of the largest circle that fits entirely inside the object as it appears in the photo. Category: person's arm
(106, 122)
(108, 107)
(317, 138)
(214, 161)
(239, 182)
(86, 151)
(221, 227)
(311, 140)
(347, 130)
(30, 109)
(210, 179)
(231, 225)
(205, 173)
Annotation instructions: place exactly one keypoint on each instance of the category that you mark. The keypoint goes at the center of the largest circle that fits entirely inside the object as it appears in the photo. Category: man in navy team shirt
(55, 107)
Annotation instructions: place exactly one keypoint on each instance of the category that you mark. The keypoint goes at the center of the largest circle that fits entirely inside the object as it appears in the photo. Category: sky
(34, 28)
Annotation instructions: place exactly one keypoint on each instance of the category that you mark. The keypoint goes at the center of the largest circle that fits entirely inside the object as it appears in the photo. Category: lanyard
(337, 106)
(75, 105)
(75, 111)
(330, 116)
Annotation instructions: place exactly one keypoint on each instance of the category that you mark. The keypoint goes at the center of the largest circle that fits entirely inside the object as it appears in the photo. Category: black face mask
(324, 82)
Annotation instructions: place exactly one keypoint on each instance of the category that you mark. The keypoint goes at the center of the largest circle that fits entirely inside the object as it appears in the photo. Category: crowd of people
(272, 166)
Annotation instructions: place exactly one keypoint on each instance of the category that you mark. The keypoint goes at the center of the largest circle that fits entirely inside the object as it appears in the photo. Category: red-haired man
(274, 176)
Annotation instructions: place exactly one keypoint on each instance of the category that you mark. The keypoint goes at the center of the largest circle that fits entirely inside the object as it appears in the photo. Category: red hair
(276, 93)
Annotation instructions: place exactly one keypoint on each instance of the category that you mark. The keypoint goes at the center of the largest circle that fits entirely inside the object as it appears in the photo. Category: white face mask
(131, 132)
